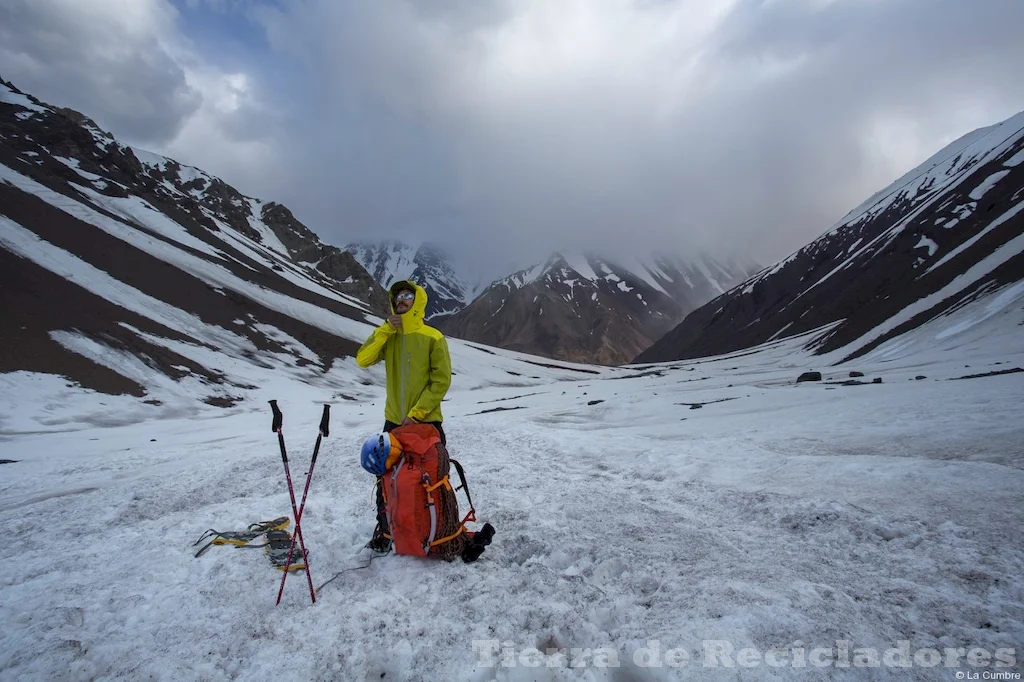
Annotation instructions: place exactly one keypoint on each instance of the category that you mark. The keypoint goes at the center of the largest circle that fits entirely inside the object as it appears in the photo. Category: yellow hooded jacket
(419, 369)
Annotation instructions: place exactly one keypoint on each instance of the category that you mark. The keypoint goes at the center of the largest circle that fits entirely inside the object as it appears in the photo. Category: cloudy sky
(505, 129)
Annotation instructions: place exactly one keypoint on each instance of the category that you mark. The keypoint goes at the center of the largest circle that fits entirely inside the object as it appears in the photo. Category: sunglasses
(405, 296)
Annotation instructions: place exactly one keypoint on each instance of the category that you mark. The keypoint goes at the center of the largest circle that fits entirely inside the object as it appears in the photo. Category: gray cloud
(104, 58)
(508, 129)
(625, 125)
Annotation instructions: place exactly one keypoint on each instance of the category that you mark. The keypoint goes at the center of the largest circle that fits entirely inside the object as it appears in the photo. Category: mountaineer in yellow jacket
(419, 372)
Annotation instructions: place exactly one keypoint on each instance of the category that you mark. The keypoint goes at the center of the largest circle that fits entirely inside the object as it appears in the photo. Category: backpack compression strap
(471, 516)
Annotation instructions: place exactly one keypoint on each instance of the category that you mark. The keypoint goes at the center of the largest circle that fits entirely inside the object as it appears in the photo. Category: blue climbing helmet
(378, 450)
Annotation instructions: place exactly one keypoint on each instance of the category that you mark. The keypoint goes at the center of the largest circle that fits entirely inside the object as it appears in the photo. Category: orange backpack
(422, 511)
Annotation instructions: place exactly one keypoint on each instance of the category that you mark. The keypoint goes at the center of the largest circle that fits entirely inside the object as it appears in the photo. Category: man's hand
(396, 321)
(409, 420)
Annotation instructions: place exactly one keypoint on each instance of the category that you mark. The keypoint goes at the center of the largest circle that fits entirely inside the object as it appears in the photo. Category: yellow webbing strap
(442, 482)
(230, 541)
(293, 567)
(460, 531)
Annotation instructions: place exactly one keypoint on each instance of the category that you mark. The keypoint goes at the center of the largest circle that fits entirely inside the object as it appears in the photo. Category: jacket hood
(412, 319)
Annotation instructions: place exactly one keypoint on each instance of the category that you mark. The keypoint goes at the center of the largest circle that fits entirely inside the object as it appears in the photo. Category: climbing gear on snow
(239, 538)
(280, 547)
(277, 545)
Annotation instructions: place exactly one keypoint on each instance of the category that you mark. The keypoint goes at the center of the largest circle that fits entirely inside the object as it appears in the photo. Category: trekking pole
(324, 430)
(276, 427)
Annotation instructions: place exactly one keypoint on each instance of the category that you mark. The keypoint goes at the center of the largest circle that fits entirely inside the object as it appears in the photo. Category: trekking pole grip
(278, 422)
(278, 417)
(323, 421)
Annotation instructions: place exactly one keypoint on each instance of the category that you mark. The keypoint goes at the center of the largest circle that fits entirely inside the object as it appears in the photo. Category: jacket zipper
(401, 378)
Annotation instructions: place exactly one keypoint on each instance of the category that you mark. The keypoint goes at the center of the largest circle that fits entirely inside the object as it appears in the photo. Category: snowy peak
(589, 308)
(947, 232)
(426, 264)
(449, 291)
(674, 277)
(386, 261)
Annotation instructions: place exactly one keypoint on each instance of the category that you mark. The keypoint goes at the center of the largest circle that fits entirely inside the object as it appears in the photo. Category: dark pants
(382, 517)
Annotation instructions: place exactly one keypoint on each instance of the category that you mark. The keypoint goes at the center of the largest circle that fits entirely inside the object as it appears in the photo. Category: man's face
(403, 300)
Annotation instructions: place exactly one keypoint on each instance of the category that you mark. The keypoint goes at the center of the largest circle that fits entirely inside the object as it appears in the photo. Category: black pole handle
(324, 429)
(278, 417)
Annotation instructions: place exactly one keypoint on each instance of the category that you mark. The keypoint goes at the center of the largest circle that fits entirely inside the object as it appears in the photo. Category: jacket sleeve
(439, 380)
(372, 349)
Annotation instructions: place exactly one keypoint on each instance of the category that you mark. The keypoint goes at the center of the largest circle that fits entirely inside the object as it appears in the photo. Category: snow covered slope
(946, 233)
(781, 531)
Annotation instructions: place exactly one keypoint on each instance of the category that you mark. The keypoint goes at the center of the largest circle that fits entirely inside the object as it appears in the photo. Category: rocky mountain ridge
(118, 263)
(590, 308)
